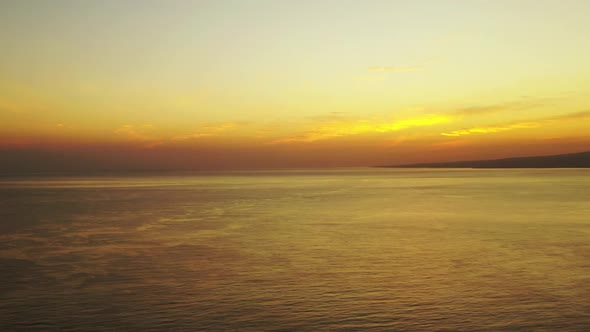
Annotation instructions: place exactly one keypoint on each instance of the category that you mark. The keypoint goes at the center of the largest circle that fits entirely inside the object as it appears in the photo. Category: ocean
(365, 249)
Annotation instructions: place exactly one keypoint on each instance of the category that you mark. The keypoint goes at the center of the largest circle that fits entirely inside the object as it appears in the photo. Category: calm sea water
(357, 249)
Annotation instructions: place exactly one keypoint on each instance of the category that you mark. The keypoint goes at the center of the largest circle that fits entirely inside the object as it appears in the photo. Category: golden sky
(266, 84)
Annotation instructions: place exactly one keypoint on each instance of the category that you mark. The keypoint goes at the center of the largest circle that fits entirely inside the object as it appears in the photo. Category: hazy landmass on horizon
(570, 160)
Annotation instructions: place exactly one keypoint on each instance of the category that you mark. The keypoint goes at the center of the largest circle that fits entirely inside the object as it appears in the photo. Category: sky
(252, 84)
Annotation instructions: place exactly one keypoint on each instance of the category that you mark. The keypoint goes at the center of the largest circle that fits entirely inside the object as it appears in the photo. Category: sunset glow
(279, 84)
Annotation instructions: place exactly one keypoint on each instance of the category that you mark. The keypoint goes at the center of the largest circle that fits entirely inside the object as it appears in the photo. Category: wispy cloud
(21, 105)
(492, 129)
(142, 134)
(571, 116)
(495, 108)
(135, 132)
(145, 135)
(487, 109)
(341, 129)
(518, 125)
(332, 116)
(394, 69)
(206, 131)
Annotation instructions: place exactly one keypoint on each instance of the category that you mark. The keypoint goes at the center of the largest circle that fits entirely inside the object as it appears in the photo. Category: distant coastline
(569, 160)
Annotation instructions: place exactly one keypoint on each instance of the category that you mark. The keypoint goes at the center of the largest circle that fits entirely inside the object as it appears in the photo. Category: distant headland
(570, 160)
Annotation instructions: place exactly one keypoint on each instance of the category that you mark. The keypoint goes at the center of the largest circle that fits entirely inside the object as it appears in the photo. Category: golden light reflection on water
(308, 250)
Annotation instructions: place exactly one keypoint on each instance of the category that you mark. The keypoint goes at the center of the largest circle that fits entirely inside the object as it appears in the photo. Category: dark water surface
(361, 249)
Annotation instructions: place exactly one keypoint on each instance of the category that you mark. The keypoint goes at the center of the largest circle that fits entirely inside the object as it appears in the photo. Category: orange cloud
(339, 129)
(205, 131)
(519, 125)
(494, 129)
(135, 133)
(140, 134)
